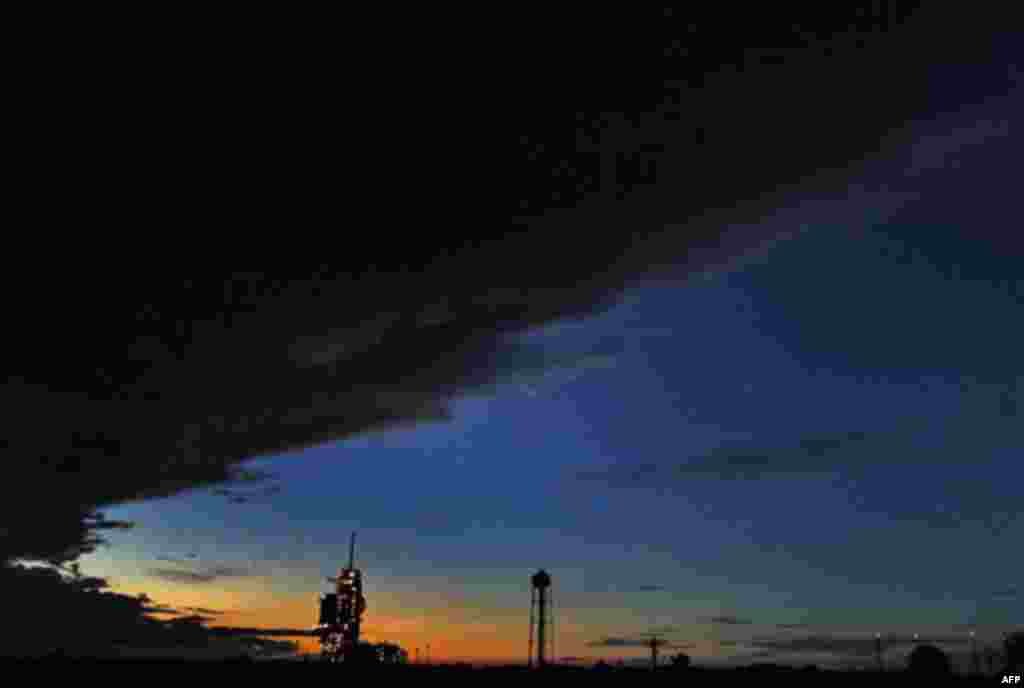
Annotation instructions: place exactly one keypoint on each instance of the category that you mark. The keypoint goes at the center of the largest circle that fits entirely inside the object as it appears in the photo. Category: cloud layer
(139, 378)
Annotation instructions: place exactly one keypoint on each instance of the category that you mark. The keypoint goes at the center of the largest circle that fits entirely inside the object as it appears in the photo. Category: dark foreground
(689, 677)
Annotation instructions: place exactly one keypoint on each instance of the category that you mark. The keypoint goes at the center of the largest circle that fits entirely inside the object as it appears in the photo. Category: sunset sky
(744, 372)
(824, 438)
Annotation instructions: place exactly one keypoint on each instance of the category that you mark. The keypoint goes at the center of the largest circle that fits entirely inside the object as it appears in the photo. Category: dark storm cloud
(1007, 593)
(651, 588)
(136, 375)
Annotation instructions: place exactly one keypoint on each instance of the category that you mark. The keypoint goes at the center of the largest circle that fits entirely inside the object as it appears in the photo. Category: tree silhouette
(1014, 648)
(929, 660)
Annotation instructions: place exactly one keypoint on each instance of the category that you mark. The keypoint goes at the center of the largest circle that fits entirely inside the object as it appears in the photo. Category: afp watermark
(1011, 679)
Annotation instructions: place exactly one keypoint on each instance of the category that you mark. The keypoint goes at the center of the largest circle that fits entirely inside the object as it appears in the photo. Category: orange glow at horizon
(456, 631)
(449, 640)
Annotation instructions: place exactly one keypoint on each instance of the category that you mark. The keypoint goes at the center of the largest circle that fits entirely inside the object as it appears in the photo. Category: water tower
(540, 602)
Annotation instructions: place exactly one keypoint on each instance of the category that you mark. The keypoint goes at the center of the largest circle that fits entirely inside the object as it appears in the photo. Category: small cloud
(644, 640)
(192, 620)
(175, 576)
(613, 641)
(727, 620)
(230, 572)
(160, 610)
(204, 611)
(236, 496)
(1007, 593)
(178, 560)
(650, 588)
(196, 577)
(815, 455)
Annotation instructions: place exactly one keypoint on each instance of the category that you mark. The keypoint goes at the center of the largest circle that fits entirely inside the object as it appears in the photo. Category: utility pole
(975, 659)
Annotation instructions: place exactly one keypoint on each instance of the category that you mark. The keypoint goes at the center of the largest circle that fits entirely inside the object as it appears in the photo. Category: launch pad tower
(341, 612)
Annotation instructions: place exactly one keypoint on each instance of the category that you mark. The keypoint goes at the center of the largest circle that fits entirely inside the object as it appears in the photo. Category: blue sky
(899, 385)
(827, 433)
